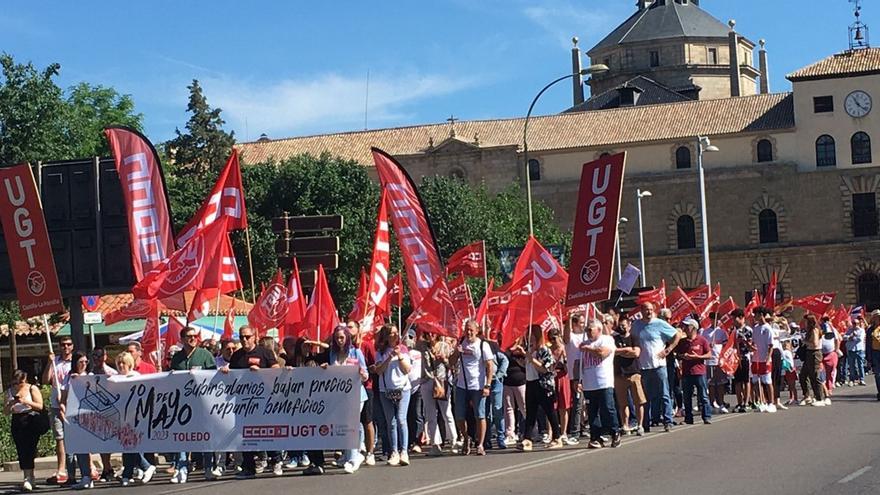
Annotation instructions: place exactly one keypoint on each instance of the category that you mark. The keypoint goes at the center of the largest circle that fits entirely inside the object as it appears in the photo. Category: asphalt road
(831, 450)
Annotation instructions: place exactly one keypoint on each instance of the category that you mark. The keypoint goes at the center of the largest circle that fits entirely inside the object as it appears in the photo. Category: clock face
(858, 104)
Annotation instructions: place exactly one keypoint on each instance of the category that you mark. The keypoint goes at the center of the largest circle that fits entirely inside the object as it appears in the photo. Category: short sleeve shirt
(394, 377)
(473, 359)
(699, 346)
(763, 339)
(652, 337)
(716, 337)
(598, 373)
(200, 358)
(62, 369)
(258, 356)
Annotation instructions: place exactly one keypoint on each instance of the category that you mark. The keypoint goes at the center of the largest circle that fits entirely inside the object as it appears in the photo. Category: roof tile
(848, 63)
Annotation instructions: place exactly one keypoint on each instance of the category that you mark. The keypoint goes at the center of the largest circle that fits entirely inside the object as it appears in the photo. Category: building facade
(792, 189)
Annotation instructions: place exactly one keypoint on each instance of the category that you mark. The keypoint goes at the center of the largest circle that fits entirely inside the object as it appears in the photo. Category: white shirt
(763, 339)
(598, 373)
(62, 369)
(415, 373)
(717, 337)
(393, 377)
(573, 352)
(473, 358)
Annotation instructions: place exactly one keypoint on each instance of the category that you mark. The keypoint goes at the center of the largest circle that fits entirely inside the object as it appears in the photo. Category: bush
(46, 446)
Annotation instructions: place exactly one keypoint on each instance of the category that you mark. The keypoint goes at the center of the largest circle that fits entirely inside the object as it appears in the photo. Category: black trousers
(537, 397)
(25, 439)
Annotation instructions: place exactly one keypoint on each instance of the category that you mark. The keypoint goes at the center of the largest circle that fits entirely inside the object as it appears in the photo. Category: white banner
(207, 411)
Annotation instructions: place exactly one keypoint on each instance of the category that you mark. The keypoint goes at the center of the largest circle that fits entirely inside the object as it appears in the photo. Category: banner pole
(247, 235)
(217, 311)
(52, 351)
(485, 283)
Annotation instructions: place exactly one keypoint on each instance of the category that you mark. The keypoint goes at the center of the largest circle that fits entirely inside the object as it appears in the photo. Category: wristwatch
(487, 387)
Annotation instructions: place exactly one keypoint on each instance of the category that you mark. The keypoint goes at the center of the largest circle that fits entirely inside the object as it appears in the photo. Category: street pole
(643, 275)
(703, 219)
(617, 246)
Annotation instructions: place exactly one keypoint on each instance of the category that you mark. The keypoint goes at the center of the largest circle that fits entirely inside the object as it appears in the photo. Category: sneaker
(138, 474)
(545, 438)
(370, 460)
(827, 401)
(126, 482)
(723, 410)
(349, 468)
(106, 476)
(526, 445)
(862, 383)
(84, 484)
(818, 403)
(805, 402)
(436, 451)
(148, 474)
(556, 444)
(417, 449)
(404, 456)
(510, 440)
(615, 440)
(304, 461)
(594, 444)
(27, 486)
(770, 408)
(781, 406)
(313, 470)
(245, 475)
(217, 472)
(181, 476)
(640, 431)
(667, 427)
(261, 466)
(394, 459)
(707, 421)
(571, 441)
(292, 464)
(278, 469)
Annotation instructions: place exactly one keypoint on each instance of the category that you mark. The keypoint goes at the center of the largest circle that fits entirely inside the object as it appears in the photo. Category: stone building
(793, 187)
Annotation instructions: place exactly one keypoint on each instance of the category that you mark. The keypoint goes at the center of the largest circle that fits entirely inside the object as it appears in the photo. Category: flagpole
(51, 351)
(247, 235)
(217, 310)
(485, 283)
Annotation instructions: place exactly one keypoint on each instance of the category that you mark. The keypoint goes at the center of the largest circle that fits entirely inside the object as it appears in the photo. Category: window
(864, 214)
(457, 173)
(628, 58)
(687, 234)
(861, 148)
(823, 104)
(683, 157)
(713, 56)
(534, 169)
(655, 58)
(607, 62)
(868, 288)
(826, 152)
(767, 231)
(765, 150)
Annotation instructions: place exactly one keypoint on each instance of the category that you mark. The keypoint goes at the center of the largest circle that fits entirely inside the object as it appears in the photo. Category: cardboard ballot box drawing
(97, 412)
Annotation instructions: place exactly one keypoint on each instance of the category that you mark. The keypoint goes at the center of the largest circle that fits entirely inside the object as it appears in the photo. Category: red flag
(296, 303)
(226, 200)
(753, 304)
(395, 291)
(656, 296)
(146, 202)
(817, 304)
(462, 301)
(700, 295)
(722, 316)
(595, 230)
(360, 299)
(483, 310)
(549, 279)
(841, 318)
(707, 304)
(411, 226)
(469, 260)
(770, 295)
(150, 336)
(436, 313)
(172, 334)
(680, 305)
(321, 316)
(202, 263)
(229, 324)
(519, 313)
(201, 304)
(729, 357)
(270, 308)
(376, 304)
(27, 242)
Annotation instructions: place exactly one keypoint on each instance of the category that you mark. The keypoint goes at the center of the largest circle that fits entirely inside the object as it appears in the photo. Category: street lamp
(617, 245)
(704, 145)
(593, 69)
(639, 195)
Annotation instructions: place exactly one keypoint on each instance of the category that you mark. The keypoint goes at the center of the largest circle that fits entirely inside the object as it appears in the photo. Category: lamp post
(639, 195)
(704, 145)
(617, 246)
(593, 69)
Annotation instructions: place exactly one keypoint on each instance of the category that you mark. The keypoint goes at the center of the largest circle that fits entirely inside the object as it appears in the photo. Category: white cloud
(323, 102)
(562, 19)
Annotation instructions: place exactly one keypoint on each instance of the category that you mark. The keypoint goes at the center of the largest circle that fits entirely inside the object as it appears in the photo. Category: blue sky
(294, 68)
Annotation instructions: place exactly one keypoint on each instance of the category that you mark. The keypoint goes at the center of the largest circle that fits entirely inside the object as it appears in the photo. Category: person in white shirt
(855, 351)
(597, 380)
(55, 374)
(475, 365)
(393, 367)
(717, 379)
(762, 366)
(573, 336)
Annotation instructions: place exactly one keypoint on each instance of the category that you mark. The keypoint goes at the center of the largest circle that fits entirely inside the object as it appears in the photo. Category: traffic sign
(90, 303)
(92, 318)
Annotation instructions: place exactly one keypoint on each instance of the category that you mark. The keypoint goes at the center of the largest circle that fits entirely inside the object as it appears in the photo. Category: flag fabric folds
(270, 309)
(225, 200)
(469, 260)
(817, 304)
(321, 316)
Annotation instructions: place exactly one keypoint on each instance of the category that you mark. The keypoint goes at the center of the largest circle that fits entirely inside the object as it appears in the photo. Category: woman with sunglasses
(25, 403)
(80, 366)
(393, 367)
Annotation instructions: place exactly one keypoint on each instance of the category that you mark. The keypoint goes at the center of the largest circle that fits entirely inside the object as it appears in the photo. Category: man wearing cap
(693, 351)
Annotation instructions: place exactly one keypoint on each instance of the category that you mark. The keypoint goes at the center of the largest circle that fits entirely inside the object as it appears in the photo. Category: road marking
(854, 475)
(564, 456)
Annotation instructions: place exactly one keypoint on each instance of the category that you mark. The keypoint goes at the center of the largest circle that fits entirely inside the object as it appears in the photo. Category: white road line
(564, 456)
(854, 475)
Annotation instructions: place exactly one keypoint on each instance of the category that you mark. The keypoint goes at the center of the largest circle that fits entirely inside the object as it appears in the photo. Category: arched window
(687, 234)
(767, 231)
(861, 148)
(826, 152)
(868, 288)
(534, 169)
(457, 173)
(765, 150)
(683, 157)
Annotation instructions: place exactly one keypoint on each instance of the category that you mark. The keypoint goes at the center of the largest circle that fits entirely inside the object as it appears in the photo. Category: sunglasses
(247, 336)
(191, 336)
(67, 344)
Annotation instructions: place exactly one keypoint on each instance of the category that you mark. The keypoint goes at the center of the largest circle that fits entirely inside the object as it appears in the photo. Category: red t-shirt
(145, 368)
(699, 346)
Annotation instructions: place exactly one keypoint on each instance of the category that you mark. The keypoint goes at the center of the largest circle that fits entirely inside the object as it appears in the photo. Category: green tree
(203, 149)
(89, 110)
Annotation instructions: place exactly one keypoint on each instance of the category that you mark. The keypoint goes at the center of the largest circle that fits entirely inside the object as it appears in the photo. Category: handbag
(394, 395)
(40, 421)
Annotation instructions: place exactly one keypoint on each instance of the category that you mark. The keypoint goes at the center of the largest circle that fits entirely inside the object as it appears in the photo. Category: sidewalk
(44, 467)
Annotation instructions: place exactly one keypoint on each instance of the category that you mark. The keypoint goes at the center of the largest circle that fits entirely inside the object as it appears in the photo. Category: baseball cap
(691, 322)
(876, 312)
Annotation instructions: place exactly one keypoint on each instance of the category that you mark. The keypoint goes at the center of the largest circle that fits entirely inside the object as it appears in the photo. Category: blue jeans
(495, 412)
(574, 417)
(131, 461)
(601, 412)
(856, 362)
(659, 407)
(395, 421)
(689, 382)
(378, 424)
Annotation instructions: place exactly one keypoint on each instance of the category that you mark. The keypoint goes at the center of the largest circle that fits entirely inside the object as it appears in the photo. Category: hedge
(46, 447)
